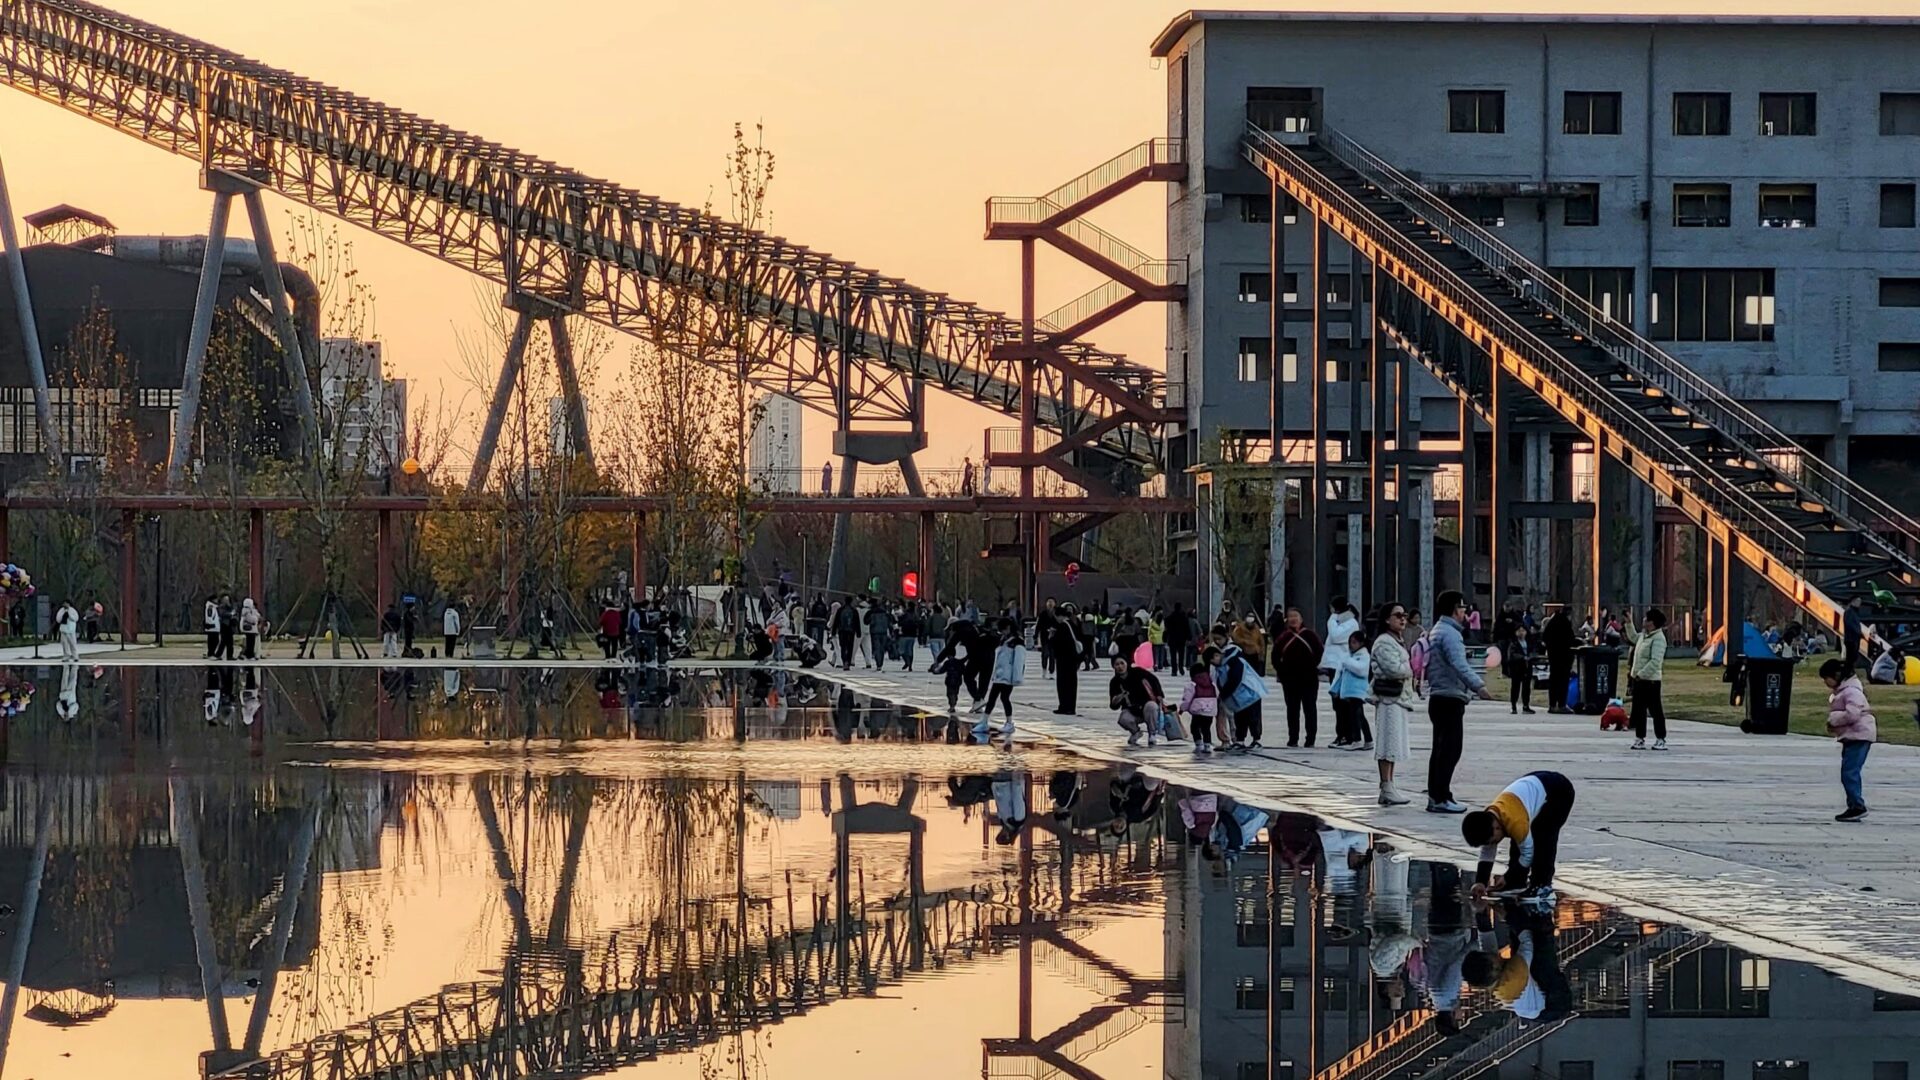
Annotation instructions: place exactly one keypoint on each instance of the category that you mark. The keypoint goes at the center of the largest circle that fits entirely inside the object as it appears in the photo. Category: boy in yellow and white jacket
(1529, 814)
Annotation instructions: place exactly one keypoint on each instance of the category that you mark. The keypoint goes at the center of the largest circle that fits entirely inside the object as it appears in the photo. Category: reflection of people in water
(1390, 918)
(67, 705)
(210, 702)
(1527, 980)
(1529, 815)
(450, 683)
(1010, 805)
(1134, 799)
(1449, 938)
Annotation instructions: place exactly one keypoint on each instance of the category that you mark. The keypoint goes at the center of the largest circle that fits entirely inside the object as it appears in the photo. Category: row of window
(1684, 304)
(1700, 205)
(1785, 1069)
(1701, 113)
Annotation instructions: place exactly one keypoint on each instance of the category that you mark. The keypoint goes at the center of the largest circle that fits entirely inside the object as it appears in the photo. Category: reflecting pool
(331, 873)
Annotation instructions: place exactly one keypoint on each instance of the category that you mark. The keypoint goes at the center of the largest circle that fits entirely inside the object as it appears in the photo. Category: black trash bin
(1599, 677)
(1769, 693)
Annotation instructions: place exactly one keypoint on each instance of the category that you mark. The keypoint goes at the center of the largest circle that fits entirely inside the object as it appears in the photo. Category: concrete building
(1739, 190)
(367, 410)
(773, 449)
(559, 428)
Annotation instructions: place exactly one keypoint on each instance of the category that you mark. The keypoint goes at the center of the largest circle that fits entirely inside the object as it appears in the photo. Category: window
(1290, 282)
(1702, 114)
(1256, 288)
(1608, 288)
(1896, 206)
(1786, 206)
(1339, 288)
(1256, 209)
(1696, 1070)
(1718, 981)
(1576, 1070)
(1582, 209)
(1702, 206)
(1281, 108)
(1900, 114)
(1256, 359)
(1779, 1070)
(1712, 305)
(1899, 292)
(1333, 993)
(1477, 112)
(1590, 112)
(1289, 360)
(1786, 114)
(1889, 1070)
(1250, 923)
(1900, 356)
(1487, 210)
(1249, 994)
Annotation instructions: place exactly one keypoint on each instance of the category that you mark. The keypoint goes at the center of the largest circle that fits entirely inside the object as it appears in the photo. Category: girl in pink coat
(1853, 725)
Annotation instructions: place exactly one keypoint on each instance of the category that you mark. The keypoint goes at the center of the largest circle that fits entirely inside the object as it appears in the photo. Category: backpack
(1417, 657)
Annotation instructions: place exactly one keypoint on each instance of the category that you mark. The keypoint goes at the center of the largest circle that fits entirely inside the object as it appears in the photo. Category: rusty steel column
(1036, 524)
(257, 557)
(383, 563)
(129, 577)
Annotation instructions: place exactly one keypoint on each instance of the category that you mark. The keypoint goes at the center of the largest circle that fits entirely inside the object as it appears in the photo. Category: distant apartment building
(365, 412)
(773, 449)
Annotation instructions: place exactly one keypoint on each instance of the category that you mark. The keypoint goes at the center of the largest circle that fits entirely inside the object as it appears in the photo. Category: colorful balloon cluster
(15, 582)
(16, 694)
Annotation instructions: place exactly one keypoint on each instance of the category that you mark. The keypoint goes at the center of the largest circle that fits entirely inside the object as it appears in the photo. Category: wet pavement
(329, 873)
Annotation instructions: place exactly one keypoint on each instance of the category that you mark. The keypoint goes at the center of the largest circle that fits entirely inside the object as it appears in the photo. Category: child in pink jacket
(1201, 703)
(1853, 725)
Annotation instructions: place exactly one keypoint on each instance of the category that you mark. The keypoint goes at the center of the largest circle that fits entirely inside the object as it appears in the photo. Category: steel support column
(579, 441)
(293, 882)
(502, 393)
(294, 357)
(1597, 554)
(29, 908)
(383, 562)
(926, 555)
(187, 416)
(129, 577)
(1469, 495)
(842, 529)
(29, 327)
(1500, 476)
(1314, 492)
(638, 579)
(257, 558)
(1037, 542)
(1380, 588)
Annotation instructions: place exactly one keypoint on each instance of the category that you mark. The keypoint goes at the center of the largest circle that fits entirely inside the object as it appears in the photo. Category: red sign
(910, 585)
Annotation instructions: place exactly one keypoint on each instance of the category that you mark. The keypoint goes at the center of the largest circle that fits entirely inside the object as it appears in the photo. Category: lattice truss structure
(841, 338)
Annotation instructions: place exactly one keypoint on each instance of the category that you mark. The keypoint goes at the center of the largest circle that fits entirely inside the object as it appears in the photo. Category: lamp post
(159, 564)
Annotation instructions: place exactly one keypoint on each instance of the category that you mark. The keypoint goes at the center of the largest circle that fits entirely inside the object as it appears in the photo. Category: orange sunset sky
(892, 120)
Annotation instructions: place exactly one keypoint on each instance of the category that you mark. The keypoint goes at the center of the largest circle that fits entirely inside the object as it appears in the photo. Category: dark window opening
(1780, 1070)
(1896, 206)
(1487, 210)
(1576, 1070)
(1249, 994)
(1786, 206)
(1702, 206)
(1339, 288)
(1256, 209)
(1282, 108)
(1889, 1070)
(1696, 1070)
(1605, 287)
(1591, 112)
(1477, 112)
(1899, 292)
(1718, 981)
(1702, 114)
(1256, 288)
(1582, 209)
(1291, 283)
(1900, 114)
(1712, 305)
(1255, 359)
(1899, 356)
(1786, 114)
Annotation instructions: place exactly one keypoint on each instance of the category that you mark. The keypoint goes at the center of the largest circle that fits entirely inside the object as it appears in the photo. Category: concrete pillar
(1501, 480)
(1357, 562)
(1423, 546)
(1537, 533)
(1314, 491)
(129, 577)
(926, 555)
(383, 562)
(842, 528)
(1469, 488)
(187, 415)
(29, 330)
(257, 557)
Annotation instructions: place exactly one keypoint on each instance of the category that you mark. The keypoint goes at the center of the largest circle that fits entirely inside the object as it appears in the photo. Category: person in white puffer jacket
(1341, 626)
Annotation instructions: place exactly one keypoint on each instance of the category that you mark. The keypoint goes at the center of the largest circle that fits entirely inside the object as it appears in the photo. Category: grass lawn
(1696, 693)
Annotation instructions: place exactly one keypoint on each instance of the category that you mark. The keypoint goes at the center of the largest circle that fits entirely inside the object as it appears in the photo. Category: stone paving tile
(1728, 832)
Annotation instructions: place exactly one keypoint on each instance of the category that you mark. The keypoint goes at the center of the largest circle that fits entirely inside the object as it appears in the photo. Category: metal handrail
(1815, 478)
(1152, 152)
(1784, 542)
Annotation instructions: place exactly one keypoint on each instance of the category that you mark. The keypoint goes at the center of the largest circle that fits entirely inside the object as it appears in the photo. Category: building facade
(1741, 191)
(773, 449)
(366, 410)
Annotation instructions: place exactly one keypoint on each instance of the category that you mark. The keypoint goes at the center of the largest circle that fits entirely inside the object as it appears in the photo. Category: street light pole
(159, 564)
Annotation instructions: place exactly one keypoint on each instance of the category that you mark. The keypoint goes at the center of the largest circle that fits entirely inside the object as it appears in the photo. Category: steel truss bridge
(845, 340)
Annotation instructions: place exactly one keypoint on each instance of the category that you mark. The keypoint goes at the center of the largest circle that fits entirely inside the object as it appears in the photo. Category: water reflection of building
(1283, 989)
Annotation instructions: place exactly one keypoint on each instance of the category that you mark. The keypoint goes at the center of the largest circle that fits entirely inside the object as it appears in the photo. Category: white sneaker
(1363, 746)
(1638, 744)
(1006, 732)
(1659, 744)
(1153, 740)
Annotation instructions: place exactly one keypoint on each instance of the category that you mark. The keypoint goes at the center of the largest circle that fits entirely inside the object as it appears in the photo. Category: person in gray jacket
(1451, 683)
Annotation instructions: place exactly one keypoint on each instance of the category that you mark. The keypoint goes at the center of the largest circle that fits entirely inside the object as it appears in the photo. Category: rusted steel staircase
(1465, 305)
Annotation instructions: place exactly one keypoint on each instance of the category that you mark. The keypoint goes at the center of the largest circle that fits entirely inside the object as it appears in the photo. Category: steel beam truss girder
(692, 280)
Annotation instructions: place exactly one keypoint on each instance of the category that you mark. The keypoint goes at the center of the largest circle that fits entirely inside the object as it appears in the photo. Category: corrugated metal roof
(1164, 43)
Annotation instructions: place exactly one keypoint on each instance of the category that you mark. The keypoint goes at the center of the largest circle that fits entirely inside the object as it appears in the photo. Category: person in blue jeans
(1853, 725)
